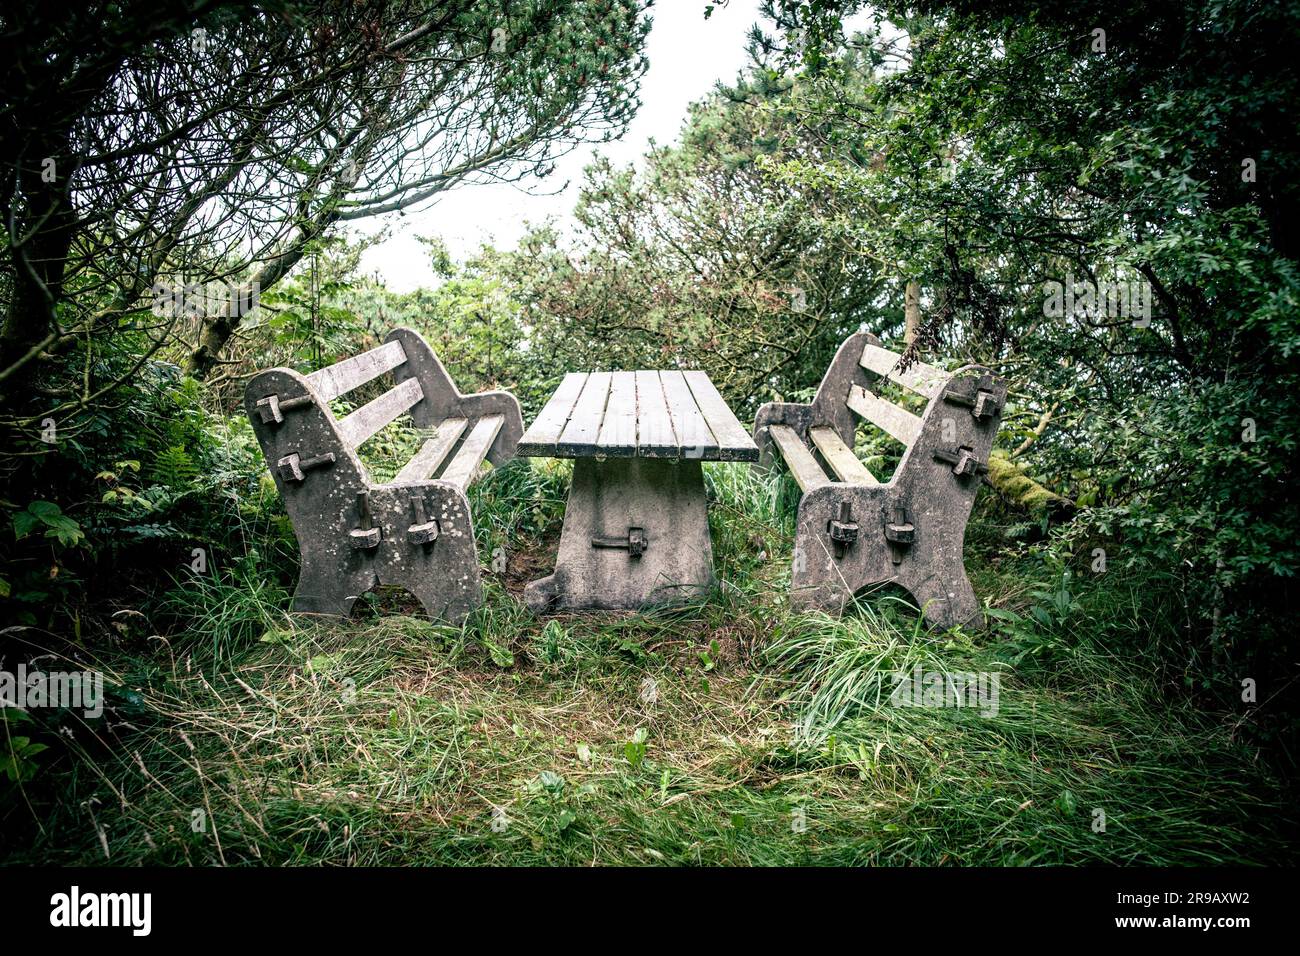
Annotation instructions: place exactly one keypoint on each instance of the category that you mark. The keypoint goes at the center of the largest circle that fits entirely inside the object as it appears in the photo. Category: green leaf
(57, 525)
(634, 751)
(501, 656)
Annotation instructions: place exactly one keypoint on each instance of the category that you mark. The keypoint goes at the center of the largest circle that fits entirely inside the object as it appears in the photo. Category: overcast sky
(687, 53)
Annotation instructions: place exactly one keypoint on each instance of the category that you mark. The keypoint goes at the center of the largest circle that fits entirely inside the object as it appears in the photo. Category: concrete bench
(414, 532)
(854, 531)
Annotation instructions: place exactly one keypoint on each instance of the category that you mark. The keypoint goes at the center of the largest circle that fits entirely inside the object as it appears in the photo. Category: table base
(610, 501)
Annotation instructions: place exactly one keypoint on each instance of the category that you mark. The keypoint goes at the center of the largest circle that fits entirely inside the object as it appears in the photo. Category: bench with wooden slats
(415, 531)
(855, 530)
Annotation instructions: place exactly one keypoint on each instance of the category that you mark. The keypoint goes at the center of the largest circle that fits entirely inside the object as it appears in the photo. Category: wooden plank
(462, 469)
(734, 441)
(692, 430)
(840, 456)
(373, 416)
(540, 439)
(426, 461)
(578, 440)
(921, 378)
(803, 466)
(895, 421)
(343, 377)
(656, 437)
(617, 437)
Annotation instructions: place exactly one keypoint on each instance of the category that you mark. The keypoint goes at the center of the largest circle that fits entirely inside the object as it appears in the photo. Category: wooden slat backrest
(342, 377)
(826, 433)
(371, 417)
(897, 422)
(921, 378)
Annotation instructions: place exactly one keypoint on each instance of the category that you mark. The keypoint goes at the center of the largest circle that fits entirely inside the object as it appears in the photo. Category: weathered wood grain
(897, 422)
(371, 417)
(579, 436)
(464, 466)
(617, 438)
(431, 454)
(803, 466)
(343, 377)
(542, 435)
(734, 440)
(840, 456)
(921, 378)
(692, 430)
(656, 436)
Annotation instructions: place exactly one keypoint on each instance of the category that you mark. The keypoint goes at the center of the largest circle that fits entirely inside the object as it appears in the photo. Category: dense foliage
(1097, 199)
(1146, 148)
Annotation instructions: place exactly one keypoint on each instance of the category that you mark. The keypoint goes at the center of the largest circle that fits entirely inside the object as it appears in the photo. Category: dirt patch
(531, 563)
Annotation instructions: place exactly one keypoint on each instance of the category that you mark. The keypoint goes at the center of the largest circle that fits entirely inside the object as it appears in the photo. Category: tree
(704, 258)
(1104, 197)
(158, 145)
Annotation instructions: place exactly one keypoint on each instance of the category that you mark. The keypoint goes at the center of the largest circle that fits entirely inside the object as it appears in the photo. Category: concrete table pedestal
(636, 532)
(636, 527)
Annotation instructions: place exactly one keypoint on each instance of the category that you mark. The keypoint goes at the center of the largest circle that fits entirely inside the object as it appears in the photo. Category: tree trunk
(1011, 482)
(40, 263)
(216, 330)
(911, 312)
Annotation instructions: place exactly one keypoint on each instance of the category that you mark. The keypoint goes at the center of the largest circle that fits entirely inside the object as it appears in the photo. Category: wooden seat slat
(617, 437)
(840, 456)
(734, 440)
(432, 453)
(543, 434)
(371, 417)
(692, 430)
(921, 378)
(463, 467)
(580, 434)
(803, 466)
(897, 422)
(343, 377)
(656, 436)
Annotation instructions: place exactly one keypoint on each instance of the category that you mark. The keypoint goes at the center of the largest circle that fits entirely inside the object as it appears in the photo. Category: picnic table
(636, 528)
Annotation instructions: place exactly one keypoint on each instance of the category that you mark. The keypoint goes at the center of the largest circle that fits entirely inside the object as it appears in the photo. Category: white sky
(687, 54)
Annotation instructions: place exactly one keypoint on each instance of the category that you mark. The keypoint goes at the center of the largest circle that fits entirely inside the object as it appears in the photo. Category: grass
(728, 731)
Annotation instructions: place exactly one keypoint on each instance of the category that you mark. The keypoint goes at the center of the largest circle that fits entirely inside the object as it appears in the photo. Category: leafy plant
(48, 517)
(18, 762)
(635, 749)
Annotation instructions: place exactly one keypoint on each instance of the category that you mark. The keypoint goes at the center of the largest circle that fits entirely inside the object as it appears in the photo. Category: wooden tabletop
(647, 414)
